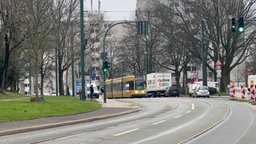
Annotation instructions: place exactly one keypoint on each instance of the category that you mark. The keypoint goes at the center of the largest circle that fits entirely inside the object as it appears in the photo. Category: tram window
(126, 86)
(139, 84)
(131, 85)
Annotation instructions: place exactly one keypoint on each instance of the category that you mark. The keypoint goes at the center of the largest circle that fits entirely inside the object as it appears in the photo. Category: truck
(157, 84)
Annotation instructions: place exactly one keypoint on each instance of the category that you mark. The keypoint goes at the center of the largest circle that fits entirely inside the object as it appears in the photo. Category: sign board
(93, 76)
(218, 65)
(218, 73)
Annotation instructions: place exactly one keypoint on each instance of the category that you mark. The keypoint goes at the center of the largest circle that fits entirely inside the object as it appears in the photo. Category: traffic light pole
(83, 96)
(104, 49)
(203, 54)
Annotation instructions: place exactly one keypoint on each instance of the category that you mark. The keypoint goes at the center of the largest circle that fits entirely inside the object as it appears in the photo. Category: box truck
(157, 84)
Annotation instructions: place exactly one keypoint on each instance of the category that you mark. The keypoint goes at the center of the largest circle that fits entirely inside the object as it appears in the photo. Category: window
(139, 84)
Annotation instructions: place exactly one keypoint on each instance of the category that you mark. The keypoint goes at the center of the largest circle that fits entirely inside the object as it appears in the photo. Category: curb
(65, 123)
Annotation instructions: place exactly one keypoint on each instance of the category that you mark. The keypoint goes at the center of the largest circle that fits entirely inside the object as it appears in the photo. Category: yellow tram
(126, 87)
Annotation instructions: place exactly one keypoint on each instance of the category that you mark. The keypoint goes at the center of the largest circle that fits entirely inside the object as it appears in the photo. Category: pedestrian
(101, 92)
(91, 91)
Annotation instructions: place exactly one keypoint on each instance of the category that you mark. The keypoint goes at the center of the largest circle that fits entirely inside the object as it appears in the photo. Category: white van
(95, 89)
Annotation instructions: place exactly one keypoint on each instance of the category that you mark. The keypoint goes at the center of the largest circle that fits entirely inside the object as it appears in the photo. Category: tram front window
(139, 85)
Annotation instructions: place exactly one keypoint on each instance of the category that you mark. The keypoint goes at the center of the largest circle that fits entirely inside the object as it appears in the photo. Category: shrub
(212, 90)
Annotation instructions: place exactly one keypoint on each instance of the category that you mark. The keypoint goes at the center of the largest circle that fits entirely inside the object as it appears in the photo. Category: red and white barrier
(232, 92)
(252, 89)
(243, 92)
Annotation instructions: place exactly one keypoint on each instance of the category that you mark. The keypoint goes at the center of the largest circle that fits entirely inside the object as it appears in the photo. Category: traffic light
(233, 25)
(142, 27)
(105, 66)
(241, 24)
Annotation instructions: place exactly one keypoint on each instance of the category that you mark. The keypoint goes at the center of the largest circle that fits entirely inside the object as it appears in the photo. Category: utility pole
(203, 55)
(72, 55)
(104, 53)
(142, 27)
(83, 96)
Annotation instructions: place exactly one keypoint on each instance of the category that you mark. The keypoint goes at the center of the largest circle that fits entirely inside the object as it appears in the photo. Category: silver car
(201, 91)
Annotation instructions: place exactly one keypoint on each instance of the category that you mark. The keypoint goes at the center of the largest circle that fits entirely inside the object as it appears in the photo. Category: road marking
(177, 116)
(158, 122)
(126, 132)
(157, 135)
(193, 106)
(68, 137)
(188, 111)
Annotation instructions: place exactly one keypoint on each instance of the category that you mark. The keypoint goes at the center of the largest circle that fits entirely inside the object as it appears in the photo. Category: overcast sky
(114, 9)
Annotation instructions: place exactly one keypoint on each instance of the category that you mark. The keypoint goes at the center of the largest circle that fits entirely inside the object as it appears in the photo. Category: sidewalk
(110, 109)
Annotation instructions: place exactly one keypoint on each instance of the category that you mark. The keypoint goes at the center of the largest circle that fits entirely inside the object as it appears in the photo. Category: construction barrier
(252, 90)
(239, 93)
(243, 89)
(231, 92)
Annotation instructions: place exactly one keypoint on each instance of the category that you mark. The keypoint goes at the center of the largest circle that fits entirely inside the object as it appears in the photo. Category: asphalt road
(162, 120)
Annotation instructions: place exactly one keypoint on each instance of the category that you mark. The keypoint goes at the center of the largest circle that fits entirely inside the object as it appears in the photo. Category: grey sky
(114, 9)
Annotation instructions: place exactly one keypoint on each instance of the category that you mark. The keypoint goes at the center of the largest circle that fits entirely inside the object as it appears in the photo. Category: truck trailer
(157, 83)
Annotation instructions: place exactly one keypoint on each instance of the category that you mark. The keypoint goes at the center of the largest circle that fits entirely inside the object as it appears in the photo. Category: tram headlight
(136, 92)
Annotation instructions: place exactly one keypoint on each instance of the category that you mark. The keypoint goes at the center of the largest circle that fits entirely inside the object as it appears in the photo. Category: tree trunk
(61, 87)
(184, 84)
(67, 87)
(13, 86)
(36, 76)
(3, 81)
(225, 80)
(42, 82)
(6, 62)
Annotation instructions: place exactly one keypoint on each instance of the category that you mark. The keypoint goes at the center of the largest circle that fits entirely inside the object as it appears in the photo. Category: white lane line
(68, 137)
(126, 132)
(168, 131)
(188, 112)
(193, 106)
(177, 116)
(159, 122)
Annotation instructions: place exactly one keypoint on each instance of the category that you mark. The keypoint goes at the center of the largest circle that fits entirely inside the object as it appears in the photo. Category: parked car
(201, 91)
(172, 91)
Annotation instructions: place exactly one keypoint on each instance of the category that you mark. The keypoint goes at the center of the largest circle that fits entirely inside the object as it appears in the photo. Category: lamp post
(83, 96)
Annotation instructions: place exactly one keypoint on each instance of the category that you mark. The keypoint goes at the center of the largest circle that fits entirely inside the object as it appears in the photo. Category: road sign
(218, 73)
(93, 76)
(218, 65)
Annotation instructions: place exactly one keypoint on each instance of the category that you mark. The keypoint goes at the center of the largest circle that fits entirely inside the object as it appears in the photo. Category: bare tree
(231, 48)
(38, 24)
(12, 34)
(66, 15)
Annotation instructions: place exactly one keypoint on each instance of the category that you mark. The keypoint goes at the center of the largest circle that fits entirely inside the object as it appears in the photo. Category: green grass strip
(21, 108)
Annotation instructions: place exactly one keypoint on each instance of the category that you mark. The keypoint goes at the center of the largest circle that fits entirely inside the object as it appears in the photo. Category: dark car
(172, 91)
